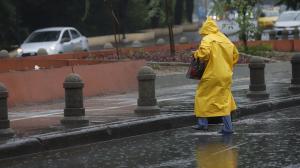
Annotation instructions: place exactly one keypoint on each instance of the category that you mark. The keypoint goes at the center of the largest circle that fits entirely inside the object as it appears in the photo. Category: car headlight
(19, 50)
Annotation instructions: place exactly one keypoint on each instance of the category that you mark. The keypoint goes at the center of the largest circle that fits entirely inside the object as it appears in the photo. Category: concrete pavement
(38, 126)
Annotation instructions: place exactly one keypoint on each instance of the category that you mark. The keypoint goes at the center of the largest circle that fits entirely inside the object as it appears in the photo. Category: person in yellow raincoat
(213, 97)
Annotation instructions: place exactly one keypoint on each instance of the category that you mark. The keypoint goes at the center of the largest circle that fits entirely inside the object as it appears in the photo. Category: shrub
(259, 50)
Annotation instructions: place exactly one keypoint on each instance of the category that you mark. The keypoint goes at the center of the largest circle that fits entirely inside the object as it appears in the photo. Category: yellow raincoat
(213, 95)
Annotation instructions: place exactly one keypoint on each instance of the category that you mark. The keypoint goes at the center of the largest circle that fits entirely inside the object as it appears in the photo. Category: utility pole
(170, 27)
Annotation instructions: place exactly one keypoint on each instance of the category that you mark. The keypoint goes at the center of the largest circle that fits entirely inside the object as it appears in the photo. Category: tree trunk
(123, 6)
(244, 32)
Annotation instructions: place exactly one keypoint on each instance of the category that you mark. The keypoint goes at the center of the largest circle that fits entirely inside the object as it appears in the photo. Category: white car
(288, 20)
(55, 40)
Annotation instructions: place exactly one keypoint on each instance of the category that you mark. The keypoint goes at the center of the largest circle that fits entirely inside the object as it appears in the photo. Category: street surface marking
(109, 108)
(206, 133)
(230, 147)
(36, 116)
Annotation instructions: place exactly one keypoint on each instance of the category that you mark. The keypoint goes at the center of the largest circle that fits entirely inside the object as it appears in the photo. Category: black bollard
(257, 87)
(295, 82)
(74, 112)
(147, 103)
(5, 129)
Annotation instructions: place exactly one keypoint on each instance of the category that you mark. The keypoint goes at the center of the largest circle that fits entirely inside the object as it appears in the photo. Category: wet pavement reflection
(269, 139)
(217, 154)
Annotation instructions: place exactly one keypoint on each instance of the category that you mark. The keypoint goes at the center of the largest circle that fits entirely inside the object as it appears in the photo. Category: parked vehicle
(268, 18)
(288, 20)
(55, 40)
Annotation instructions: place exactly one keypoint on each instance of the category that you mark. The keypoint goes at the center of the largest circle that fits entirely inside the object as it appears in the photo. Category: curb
(275, 104)
(92, 134)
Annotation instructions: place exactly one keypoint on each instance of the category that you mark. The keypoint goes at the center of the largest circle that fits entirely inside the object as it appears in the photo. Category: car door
(76, 39)
(66, 42)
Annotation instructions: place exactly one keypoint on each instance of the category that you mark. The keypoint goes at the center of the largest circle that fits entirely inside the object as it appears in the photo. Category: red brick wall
(44, 85)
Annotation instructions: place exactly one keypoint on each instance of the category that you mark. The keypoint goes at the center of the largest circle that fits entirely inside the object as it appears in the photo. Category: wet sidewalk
(175, 95)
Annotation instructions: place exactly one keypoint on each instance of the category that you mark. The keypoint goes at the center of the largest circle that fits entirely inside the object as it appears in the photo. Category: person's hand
(193, 53)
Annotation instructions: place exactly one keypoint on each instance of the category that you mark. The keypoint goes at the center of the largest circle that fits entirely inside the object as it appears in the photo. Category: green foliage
(245, 8)
(245, 14)
(137, 14)
(90, 17)
(290, 4)
(258, 50)
(8, 23)
(156, 15)
(219, 8)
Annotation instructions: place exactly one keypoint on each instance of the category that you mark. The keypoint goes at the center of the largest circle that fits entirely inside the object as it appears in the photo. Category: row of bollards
(74, 112)
(257, 87)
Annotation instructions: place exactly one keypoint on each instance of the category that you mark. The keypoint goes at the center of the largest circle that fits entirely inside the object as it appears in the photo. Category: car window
(66, 35)
(45, 36)
(74, 34)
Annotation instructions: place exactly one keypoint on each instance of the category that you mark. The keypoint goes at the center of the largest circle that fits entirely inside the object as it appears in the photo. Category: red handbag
(196, 69)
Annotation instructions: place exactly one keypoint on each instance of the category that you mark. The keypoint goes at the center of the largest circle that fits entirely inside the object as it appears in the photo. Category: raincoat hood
(209, 27)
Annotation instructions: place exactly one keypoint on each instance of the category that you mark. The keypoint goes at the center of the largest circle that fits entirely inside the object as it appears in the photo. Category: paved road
(265, 140)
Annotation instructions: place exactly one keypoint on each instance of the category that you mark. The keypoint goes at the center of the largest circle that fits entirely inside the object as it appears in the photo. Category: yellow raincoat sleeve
(203, 51)
(235, 55)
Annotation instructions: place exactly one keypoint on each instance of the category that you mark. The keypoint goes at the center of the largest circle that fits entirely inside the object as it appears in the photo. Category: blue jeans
(227, 127)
